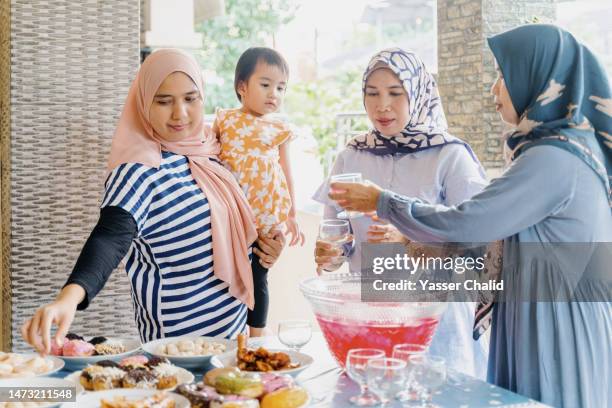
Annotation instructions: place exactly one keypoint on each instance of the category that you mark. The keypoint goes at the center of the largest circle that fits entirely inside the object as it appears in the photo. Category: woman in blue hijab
(555, 192)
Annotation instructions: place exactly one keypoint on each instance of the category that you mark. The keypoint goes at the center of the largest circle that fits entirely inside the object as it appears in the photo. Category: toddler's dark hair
(249, 59)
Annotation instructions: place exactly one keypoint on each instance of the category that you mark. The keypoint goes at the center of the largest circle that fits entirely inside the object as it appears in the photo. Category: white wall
(294, 265)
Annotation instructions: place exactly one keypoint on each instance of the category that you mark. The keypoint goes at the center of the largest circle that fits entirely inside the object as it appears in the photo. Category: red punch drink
(342, 335)
(347, 322)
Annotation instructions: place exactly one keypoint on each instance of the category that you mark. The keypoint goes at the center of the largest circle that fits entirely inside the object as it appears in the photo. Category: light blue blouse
(557, 352)
(446, 175)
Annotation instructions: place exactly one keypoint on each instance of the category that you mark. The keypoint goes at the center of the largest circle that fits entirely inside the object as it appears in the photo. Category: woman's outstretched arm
(107, 244)
(538, 184)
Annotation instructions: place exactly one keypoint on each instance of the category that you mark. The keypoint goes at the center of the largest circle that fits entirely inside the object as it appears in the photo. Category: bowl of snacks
(137, 371)
(263, 360)
(78, 353)
(21, 365)
(231, 387)
(190, 352)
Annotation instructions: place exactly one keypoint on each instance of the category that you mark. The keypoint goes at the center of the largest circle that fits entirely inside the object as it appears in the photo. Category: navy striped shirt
(170, 264)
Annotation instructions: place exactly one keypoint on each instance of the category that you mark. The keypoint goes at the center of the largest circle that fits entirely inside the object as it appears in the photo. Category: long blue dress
(559, 353)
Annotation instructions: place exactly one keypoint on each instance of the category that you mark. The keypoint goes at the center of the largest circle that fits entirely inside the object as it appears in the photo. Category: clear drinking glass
(386, 377)
(294, 333)
(356, 363)
(428, 373)
(403, 352)
(347, 178)
(336, 233)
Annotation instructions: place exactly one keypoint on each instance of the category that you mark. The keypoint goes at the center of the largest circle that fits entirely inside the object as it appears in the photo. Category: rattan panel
(5, 131)
(72, 62)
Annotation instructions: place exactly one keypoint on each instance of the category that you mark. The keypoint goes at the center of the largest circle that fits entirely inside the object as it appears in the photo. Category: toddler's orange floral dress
(250, 149)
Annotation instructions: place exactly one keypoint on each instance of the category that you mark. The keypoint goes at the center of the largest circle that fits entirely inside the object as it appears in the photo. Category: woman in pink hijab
(179, 216)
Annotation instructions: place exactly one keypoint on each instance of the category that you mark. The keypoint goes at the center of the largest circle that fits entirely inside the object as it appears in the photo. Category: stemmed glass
(347, 178)
(356, 363)
(386, 377)
(428, 373)
(336, 233)
(294, 333)
(403, 352)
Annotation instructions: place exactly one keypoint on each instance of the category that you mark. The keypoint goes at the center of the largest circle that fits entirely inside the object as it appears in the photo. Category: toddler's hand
(293, 229)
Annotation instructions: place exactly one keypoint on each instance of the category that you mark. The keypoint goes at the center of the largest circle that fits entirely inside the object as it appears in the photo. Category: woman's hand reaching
(384, 232)
(362, 197)
(37, 330)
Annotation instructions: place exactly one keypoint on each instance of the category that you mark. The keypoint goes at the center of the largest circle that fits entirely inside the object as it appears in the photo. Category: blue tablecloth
(330, 387)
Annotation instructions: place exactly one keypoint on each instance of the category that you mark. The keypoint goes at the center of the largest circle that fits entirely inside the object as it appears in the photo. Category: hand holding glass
(347, 178)
(336, 233)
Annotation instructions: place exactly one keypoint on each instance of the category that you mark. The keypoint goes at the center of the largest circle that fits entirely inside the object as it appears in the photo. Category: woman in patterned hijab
(426, 127)
(410, 150)
(552, 209)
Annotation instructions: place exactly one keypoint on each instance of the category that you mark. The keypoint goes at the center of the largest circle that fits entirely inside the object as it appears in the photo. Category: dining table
(329, 386)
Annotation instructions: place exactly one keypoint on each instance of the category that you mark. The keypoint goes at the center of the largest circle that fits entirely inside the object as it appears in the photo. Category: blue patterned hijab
(427, 127)
(561, 93)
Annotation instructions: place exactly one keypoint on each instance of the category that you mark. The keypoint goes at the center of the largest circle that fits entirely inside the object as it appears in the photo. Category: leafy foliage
(246, 23)
(316, 103)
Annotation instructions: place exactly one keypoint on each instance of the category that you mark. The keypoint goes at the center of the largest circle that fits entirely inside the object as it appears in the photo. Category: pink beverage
(343, 335)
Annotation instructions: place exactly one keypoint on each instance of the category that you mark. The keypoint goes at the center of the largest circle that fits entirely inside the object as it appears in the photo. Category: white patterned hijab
(427, 127)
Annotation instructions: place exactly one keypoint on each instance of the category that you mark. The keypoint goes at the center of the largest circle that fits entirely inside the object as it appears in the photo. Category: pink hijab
(135, 141)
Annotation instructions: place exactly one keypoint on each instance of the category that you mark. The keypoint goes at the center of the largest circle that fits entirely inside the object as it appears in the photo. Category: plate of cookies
(78, 353)
(190, 352)
(20, 365)
(130, 398)
(137, 371)
(231, 387)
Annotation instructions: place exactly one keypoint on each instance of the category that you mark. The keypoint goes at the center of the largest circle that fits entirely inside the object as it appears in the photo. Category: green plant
(246, 23)
(316, 103)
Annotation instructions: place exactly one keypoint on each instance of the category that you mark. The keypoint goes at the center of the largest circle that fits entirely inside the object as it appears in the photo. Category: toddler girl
(255, 147)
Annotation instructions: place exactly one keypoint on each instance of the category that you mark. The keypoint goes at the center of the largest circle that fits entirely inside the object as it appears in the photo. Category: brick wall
(466, 68)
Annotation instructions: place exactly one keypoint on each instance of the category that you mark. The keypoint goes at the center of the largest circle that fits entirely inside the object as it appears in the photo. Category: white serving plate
(58, 364)
(189, 362)
(78, 363)
(229, 360)
(183, 376)
(40, 382)
(93, 399)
